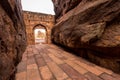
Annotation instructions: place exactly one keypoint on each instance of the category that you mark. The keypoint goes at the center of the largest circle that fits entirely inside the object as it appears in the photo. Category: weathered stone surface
(63, 6)
(12, 37)
(34, 20)
(91, 28)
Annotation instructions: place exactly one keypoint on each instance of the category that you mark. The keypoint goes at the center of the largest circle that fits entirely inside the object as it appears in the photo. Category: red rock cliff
(91, 28)
(12, 37)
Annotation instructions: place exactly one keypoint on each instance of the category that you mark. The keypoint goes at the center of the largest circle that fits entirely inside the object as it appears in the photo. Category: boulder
(91, 28)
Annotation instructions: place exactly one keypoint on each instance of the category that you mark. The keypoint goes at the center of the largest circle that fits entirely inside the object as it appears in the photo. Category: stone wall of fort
(34, 20)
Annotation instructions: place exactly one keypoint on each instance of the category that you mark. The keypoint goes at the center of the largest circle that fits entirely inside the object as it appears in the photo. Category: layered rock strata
(12, 37)
(91, 28)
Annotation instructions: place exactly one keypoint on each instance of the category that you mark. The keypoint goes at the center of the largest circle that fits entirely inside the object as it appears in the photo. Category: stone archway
(40, 34)
(35, 20)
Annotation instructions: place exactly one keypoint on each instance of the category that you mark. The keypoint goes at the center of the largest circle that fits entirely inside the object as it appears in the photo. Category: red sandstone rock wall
(63, 6)
(91, 28)
(12, 37)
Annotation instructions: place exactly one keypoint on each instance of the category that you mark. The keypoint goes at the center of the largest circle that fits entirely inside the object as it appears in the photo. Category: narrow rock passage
(49, 62)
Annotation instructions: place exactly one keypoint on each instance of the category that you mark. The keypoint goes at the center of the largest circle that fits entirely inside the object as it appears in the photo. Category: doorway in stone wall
(40, 36)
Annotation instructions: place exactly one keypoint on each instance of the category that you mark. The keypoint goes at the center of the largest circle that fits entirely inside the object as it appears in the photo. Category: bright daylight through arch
(40, 35)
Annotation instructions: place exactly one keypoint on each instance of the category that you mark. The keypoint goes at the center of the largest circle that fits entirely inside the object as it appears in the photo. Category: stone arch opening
(37, 20)
(40, 34)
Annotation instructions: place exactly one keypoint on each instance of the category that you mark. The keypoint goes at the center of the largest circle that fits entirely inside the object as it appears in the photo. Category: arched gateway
(40, 34)
(38, 27)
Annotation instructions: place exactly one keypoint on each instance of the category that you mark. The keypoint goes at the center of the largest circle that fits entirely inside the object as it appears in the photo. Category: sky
(42, 6)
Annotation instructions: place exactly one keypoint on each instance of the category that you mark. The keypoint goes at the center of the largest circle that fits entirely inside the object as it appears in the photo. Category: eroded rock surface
(91, 28)
(63, 6)
(12, 37)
